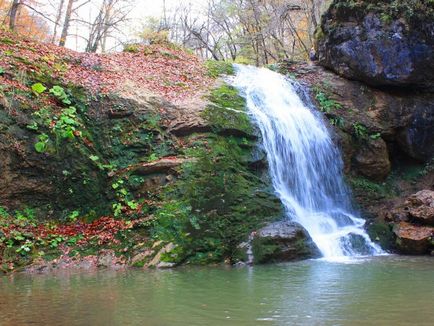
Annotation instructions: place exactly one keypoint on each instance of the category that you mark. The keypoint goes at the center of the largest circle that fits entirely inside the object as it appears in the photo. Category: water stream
(305, 165)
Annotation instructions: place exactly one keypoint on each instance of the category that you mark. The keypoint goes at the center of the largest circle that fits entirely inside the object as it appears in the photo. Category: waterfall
(305, 165)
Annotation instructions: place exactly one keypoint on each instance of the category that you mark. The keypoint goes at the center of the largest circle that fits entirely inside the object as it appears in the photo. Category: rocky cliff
(140, 158)
(382, 110)
(383, 43)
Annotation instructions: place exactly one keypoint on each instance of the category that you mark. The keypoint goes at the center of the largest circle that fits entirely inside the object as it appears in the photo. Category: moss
(132, 48)
(218, 68)
(263, 249)
(370, 190)
(412, 10)
(382, 233)
(218, 199)
(227, 111)
(319, 34)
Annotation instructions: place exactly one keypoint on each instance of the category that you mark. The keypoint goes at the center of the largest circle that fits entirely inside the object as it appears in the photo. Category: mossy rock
(281, 242)
(382, 233)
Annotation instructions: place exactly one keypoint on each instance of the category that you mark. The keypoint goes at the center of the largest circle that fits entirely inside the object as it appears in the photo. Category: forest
(216, 162)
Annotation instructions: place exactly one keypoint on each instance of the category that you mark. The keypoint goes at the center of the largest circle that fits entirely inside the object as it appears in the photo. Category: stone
(403, 119)
(370, 44)
(420, 207)
(141, 257)
(412, 239)
(156, 261)
(372, 160)
(164, 264)
(162, 165)
(281, 242)
(105, 258)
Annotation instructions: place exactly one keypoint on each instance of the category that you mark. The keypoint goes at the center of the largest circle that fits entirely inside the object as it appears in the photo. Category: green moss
(217, 200)
(227, 111)
(215, 204)
(218, 68)
(319, 34)
(370, 189)
(412, 10)
(132, 48)
(382, 233)
(263, 249)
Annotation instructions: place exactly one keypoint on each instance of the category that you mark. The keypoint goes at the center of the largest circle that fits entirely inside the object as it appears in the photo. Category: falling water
(305, 165)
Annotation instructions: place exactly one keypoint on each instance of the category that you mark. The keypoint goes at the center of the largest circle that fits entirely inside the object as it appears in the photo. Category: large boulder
(281, 242)
(414, 240)
(417, 208)
(383, 43)
(413, 223)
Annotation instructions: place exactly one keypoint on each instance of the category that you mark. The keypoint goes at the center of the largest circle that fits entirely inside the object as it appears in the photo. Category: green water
(378, 291)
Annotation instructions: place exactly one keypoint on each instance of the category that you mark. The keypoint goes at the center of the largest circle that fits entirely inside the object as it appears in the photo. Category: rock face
(400, 120)
(418, 208)
(380, 44)
(421, 207)
(413, 222)
(372, 160)
(281, 242)
(414, 240)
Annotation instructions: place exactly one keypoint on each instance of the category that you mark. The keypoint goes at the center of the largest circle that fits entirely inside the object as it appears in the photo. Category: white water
(305, 165)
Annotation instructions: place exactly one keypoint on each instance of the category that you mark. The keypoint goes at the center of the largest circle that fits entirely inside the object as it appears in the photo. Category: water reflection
(380, 291)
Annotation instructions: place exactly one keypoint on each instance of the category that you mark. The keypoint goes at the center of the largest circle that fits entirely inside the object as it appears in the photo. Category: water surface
(377, 291)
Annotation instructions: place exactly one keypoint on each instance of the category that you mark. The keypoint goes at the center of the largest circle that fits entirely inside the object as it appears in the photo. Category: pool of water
(377, 291)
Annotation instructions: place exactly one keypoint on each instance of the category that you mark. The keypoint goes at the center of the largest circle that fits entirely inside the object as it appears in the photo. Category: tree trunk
(66, 23)
(57, 22)
(13, 12)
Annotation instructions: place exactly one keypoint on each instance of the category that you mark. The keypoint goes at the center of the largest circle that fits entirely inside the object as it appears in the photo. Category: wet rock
(281, 242)
(367, 42)
(372, 160)
(157, 260)
(141, 257)
(412, 239)
(106, 258)
(164, 264)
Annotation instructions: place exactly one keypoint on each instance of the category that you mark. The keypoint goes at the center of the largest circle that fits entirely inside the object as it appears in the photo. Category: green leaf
(40, 147)
(69, 134)
(2, 71)
(38, 88)
(94, 158)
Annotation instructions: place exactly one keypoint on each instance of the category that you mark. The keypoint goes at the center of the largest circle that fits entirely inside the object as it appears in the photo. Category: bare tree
(110, 15)
(57, 20)
(13, 12)
(70, 10)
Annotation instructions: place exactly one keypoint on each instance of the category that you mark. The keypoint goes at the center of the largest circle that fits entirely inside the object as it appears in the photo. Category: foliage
(61, 95)
(25, 239)
(124, 198)
(370, 189)
(360, 130)
(38, 88)
(326, 104)
(132, 48)
(41, 145)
